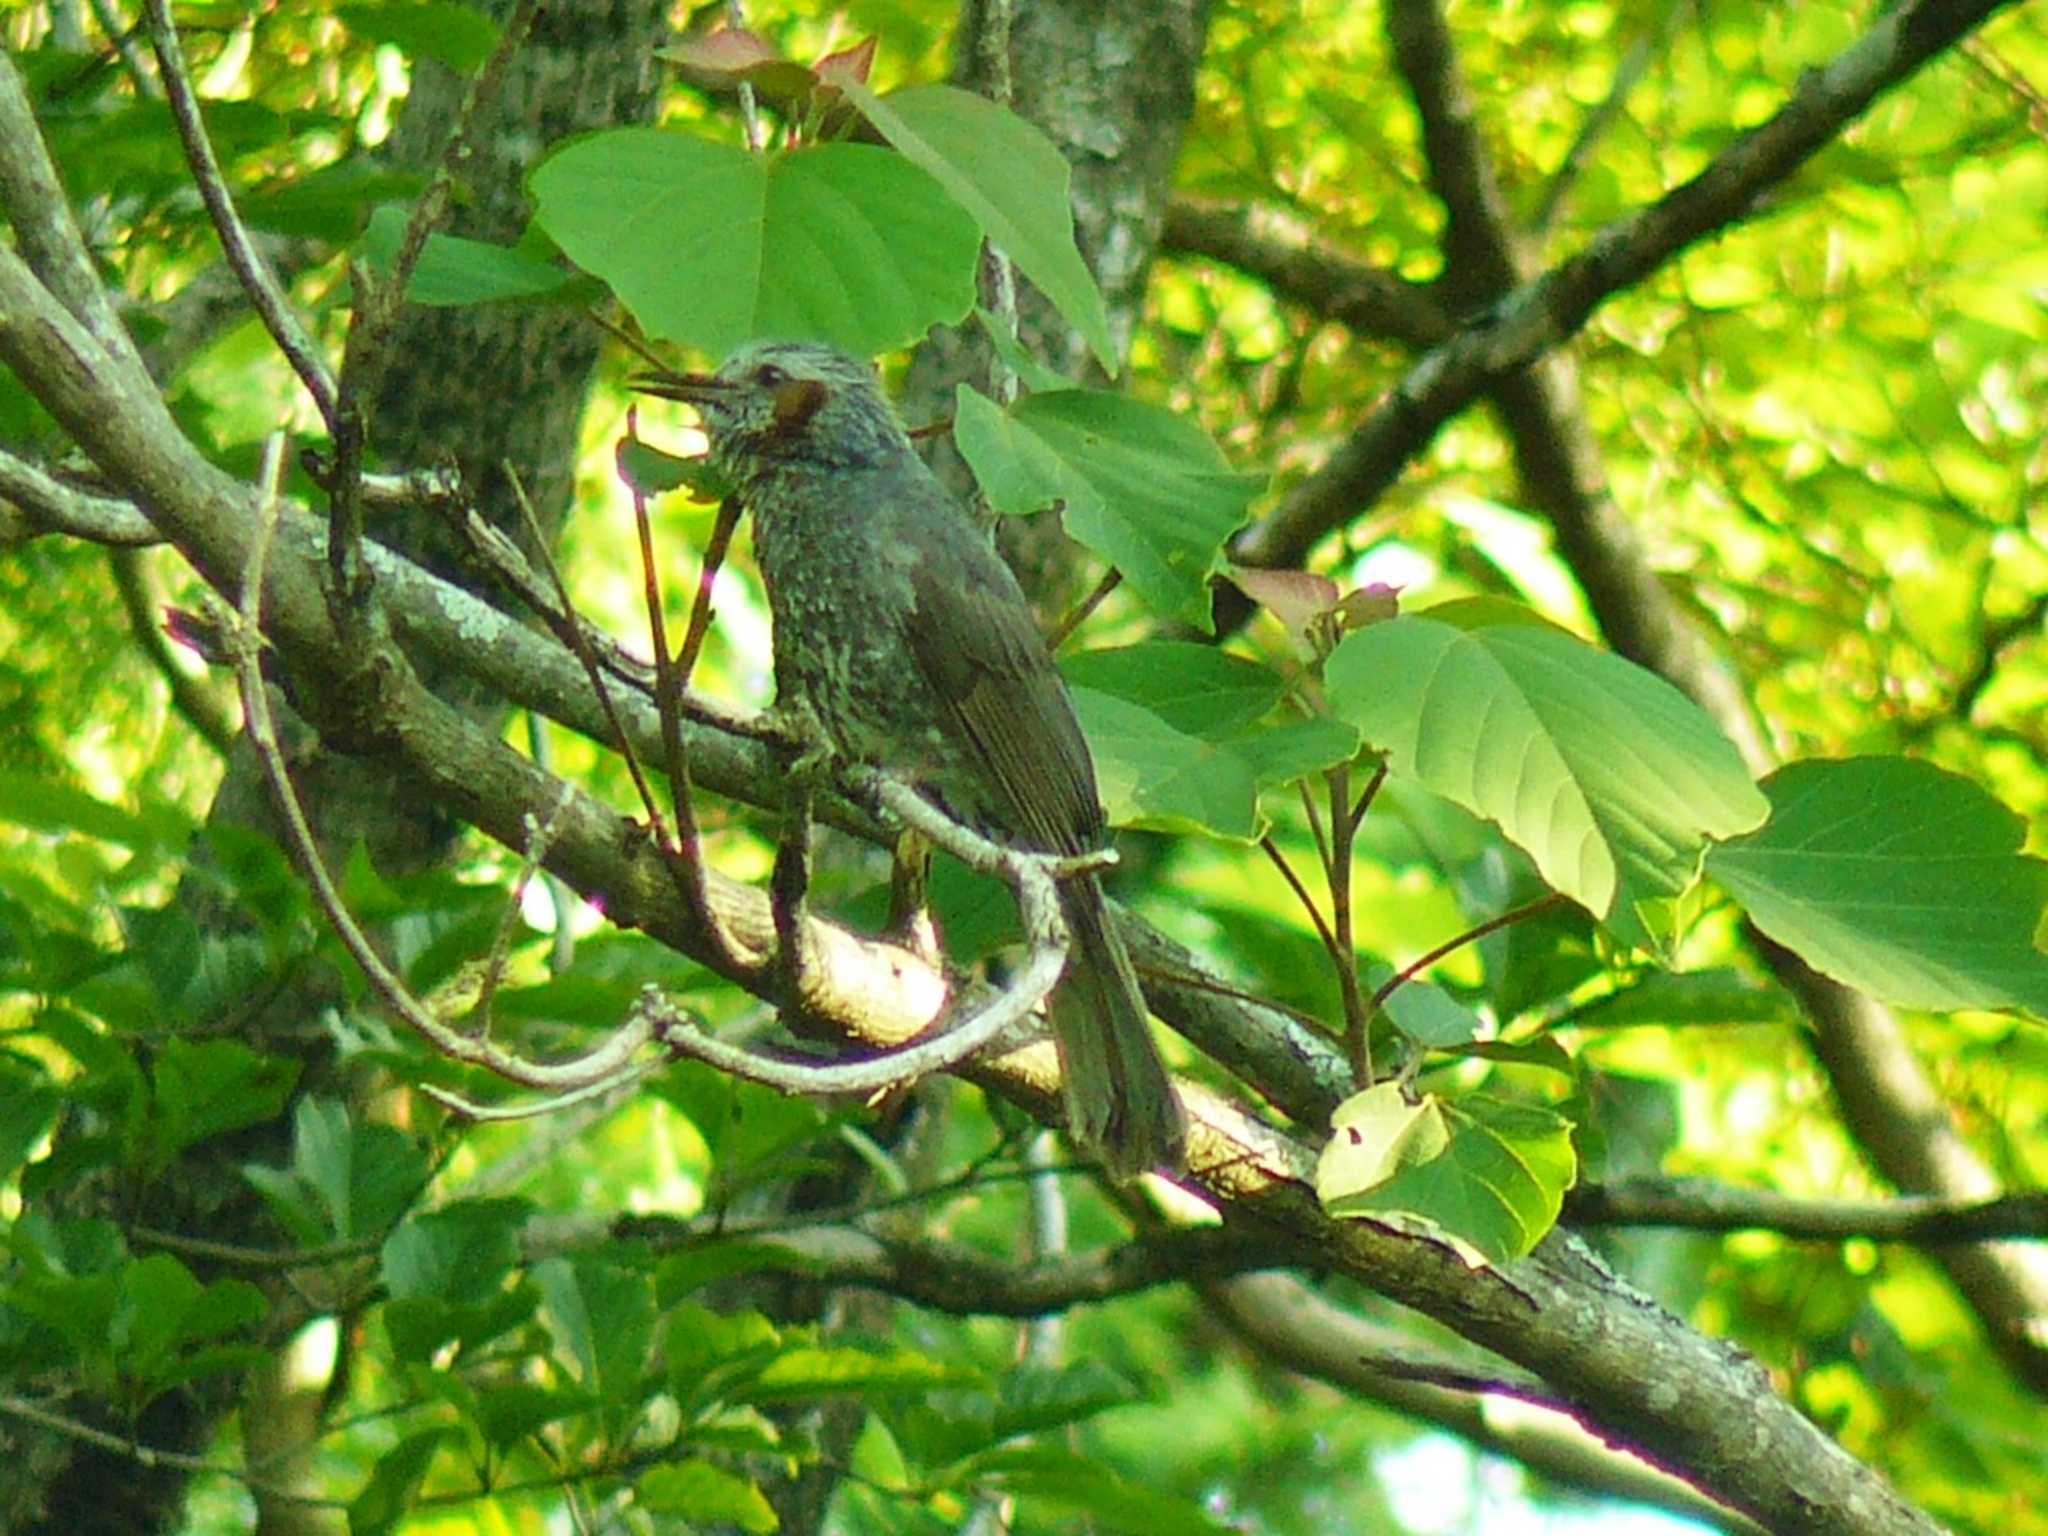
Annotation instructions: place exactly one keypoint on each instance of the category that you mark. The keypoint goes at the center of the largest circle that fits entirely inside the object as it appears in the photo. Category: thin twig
(1301, 894)
(1423, 962)
(573, 633)
(1606, 112)
(684, 851)
(121, 35)
(243, 1256)
(149, 1456)
(546, 598)
(701, 613)
(534, 1109)
(540, 836)
(266, 296)
(561, 899)
(244, 642)
(205, 710)
(1315, 823)
(1078, 614)
(44, 502)
(1365, 798)
(750, 110)
(1343, 835)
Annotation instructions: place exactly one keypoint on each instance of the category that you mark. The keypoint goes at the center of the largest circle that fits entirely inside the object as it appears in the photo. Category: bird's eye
(768, 376)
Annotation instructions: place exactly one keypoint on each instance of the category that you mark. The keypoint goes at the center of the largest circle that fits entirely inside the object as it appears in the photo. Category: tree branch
(1710, 1206)
(1281, 1319)
(264, 292)
(1540, 315)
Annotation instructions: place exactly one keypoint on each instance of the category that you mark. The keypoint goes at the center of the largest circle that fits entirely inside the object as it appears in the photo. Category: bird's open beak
(690, 388)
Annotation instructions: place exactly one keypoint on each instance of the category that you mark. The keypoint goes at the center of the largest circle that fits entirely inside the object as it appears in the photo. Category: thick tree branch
(43, 226)
(1283, 1320)
(1281, 247)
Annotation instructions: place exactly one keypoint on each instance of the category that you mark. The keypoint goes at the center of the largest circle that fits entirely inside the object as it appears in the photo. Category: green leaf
(1196, 689)
(458, 35)
(699, 1491)
(1374, 1135)
(346, 1180)
(707, 1351)
(155, 1293)
(710, 246)
(510, 1413)
(388, 1496)
(1424, 1011)
(1067, 1481)
(1292, 749)
(50, 805)
(367, 1176)
(1609, 777)
(1143, 488)
(1010, 177)
(458, 1254)
(207, 1088)
(159, 1307)
(651, 472)
(1897, 878)
(420, 1326)
(602, 1318)
(331, 203)
(1487, 1173)
(817, 1371)
(1036, 1398)
(28, 1108)
(452, 270)
(750, 1129)
(1151, 775)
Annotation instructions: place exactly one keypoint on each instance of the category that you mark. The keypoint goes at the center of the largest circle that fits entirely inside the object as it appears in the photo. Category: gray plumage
(900, 631)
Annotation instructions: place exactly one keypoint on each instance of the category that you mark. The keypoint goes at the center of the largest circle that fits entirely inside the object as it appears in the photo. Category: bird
(902, 637)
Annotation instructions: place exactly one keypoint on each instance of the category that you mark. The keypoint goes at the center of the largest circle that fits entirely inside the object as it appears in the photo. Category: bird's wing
(1000, 700)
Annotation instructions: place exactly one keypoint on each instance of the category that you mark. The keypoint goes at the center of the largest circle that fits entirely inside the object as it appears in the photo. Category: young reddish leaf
(726, 51)
(848, 63)
(1293, 597)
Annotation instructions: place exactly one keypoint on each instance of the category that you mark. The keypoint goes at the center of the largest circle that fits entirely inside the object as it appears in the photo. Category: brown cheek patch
(796, 403)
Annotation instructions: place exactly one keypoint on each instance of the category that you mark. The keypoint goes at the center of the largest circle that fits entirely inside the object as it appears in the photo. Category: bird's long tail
(1121, 1104)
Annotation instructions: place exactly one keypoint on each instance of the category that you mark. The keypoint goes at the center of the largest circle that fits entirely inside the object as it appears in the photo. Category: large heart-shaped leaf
(709, 245)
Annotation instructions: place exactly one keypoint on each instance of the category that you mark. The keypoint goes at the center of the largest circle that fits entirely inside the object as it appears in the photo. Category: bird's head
(787, 402)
